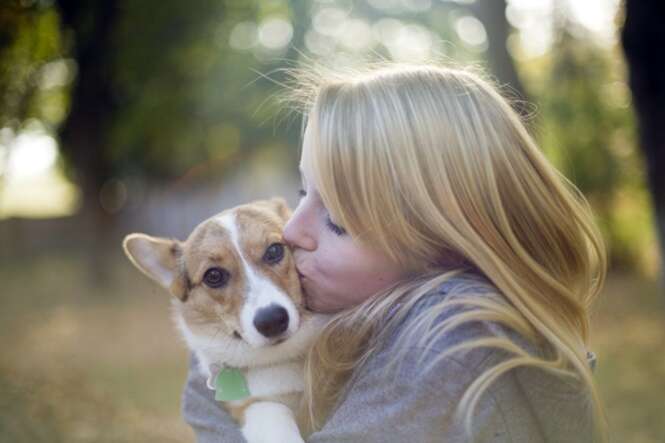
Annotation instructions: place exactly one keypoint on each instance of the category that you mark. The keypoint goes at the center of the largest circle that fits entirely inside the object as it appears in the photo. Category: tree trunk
(643, 39)
(84, 134)
(492, 14)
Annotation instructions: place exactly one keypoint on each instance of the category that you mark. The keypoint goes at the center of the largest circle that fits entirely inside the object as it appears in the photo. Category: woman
(460, 267)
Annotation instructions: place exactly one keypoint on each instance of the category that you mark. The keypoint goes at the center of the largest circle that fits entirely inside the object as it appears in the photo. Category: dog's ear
(159, 259)
(281, 208)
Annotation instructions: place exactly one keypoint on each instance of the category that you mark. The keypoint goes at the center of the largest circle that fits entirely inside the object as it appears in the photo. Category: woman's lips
(301, 276)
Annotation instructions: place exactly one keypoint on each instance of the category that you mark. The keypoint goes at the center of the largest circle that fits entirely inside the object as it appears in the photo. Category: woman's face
(336, 272)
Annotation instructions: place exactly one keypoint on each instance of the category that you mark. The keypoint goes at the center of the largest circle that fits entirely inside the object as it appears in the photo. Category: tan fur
(206, 247)
(238, 412)
(255, 238)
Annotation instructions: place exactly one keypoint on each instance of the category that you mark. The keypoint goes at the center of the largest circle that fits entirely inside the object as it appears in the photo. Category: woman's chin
(313, 301)
(309, 302)
(320, 308)
(306, 298)
(306, 302)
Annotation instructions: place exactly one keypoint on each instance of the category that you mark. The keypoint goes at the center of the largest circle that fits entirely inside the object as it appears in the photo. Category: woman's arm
(209, 420)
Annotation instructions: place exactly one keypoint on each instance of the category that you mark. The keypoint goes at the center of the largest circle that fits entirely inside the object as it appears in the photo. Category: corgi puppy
(238, 303)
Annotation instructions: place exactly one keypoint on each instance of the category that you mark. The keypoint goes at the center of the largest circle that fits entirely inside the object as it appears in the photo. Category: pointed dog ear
(159, 259)
(281, 208)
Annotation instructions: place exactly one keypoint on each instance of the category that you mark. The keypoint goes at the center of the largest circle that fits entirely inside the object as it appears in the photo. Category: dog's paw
(270, 422)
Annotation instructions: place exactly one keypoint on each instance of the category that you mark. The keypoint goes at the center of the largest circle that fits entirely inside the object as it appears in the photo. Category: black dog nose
(272, 320)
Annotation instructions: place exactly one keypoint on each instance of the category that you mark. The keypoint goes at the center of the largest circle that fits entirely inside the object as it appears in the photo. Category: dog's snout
(272, 320)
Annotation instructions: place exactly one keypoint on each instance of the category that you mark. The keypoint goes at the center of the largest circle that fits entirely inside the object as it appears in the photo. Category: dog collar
(228, 383)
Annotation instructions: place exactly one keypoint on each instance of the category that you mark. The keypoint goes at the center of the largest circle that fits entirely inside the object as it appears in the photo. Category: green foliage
(186, 101)
(579, 118)
(29, 40)
(183, 92)
(586, 127)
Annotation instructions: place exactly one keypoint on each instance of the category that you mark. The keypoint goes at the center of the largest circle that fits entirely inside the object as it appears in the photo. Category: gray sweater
(523, 405)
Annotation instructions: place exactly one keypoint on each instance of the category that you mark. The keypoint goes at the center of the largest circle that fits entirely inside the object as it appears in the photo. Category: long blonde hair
(430, 165)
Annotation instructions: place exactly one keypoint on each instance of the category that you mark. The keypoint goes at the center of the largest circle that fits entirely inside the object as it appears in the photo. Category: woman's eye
(338, 230)
(274, 253)
(301, 193)
(216, 277)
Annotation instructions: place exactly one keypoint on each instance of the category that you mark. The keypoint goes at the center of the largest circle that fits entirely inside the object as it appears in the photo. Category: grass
(628, 338)
(96, 363)
(85, 362)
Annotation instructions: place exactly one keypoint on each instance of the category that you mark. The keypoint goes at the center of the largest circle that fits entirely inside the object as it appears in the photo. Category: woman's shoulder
(441, 303)
(464, 283)
(455, 287)
(428, 388)
(429, 314)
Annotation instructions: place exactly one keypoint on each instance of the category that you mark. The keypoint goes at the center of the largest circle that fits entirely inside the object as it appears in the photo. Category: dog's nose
(272, 320)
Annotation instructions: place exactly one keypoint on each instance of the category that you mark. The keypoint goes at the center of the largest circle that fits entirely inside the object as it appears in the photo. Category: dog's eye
(274, 253)
(215, 277)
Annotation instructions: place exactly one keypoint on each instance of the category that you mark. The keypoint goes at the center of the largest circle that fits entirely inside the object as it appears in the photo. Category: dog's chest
(275, 380)
(267, 381)
(282, 383)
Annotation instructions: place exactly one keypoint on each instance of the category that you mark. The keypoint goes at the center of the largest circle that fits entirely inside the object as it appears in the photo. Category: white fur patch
(260, 292)
(275, 380)
(269, 422)
(237, 353)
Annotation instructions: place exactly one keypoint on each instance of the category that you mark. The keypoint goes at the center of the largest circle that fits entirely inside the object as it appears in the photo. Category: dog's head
(233, 280)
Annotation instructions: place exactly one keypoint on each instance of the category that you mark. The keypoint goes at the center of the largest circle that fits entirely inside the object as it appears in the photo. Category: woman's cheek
(336, 267)
(330, 279)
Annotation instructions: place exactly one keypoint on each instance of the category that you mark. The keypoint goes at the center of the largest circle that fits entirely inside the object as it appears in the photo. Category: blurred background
(124, 116)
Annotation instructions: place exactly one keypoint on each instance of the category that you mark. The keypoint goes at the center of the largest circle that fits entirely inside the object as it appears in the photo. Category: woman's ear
(159, 259)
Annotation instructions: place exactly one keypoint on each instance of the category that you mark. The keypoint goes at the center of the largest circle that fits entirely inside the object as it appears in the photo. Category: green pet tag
(230, 385)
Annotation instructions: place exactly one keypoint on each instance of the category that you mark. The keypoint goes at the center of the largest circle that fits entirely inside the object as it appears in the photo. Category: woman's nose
(297, 232)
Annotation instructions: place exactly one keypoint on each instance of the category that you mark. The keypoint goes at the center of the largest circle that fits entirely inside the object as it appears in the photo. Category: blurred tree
(643, 38)
(84, 140)
(586, 129)
(28, 42)
(159, 95)
(492, 14)
(168, 94)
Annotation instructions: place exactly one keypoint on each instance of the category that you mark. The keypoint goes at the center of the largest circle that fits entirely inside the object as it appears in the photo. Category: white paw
(270, 422)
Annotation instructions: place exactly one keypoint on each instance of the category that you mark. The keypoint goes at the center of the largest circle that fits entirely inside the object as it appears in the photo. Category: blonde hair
(431, 165)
